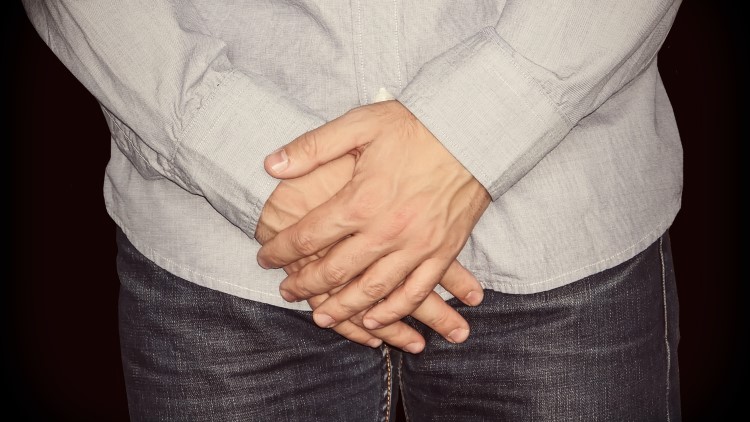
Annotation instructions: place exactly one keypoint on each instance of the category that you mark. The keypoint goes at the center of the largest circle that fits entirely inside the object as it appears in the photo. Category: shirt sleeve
(173, 100)
(504, 98)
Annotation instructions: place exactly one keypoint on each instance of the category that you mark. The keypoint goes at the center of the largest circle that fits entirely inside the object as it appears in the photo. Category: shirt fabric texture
(556, 107)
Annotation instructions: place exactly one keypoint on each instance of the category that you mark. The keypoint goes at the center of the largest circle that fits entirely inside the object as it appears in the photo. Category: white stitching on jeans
(666, 324)
(389, 381)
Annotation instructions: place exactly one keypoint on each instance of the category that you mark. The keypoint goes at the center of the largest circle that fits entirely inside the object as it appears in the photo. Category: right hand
(294, 198)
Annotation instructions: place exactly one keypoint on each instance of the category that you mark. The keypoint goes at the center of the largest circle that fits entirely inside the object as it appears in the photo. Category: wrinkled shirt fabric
(556, 107)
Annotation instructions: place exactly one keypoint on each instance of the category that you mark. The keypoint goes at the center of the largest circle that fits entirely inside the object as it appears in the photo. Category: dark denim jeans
(602, 348)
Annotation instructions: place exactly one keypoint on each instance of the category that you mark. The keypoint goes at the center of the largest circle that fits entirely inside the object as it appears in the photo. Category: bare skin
(294, 198)
(391, 233)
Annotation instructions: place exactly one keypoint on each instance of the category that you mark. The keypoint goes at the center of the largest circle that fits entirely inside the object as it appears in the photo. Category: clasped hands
(369, 217)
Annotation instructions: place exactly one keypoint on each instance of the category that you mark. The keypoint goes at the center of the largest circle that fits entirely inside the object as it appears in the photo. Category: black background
(61, 351)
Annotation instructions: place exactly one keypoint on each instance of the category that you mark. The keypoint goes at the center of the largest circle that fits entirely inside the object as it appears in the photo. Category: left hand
(397, 225)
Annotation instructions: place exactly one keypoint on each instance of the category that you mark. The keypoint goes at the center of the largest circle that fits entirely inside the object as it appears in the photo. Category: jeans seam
(401, 385)
(388, 382)
(666, 323)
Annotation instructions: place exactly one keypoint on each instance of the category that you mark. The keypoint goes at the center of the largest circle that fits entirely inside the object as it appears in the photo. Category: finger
(299, 264)
(364, 291)
(462, 284)
(321, 145)
(343, 263)
(357, 334)
(407, 297)
(442, 318)
(320, 228)
(399, 334)
(348, 329)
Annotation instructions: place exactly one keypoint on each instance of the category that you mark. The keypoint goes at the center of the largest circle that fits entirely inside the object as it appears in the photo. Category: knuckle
(416, 293)
(361, 211)
(302, 242)
(303, 291)
(348, 309)
(432, 239)
(333, 274)
(396, 227)
(359, 114)
(374, 289)
(366, 203)
(297, 284)
(309, 145)
(439, 319)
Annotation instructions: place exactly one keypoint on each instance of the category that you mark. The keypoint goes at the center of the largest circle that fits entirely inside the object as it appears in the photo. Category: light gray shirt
(555, 106)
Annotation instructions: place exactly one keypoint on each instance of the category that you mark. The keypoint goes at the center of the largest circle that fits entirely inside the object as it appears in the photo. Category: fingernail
(375, 343)
(323, 320)
(263, 263)
(474, 298)
(459, 335)
(278, 160)
(414, 347)
(371, 324)
(288, 296)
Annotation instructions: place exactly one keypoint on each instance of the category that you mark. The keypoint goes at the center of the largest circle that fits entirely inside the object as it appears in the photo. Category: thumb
(318, 146)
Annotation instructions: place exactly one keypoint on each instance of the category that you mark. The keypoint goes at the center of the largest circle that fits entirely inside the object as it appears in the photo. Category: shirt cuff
(221, 152)
(494, 118)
